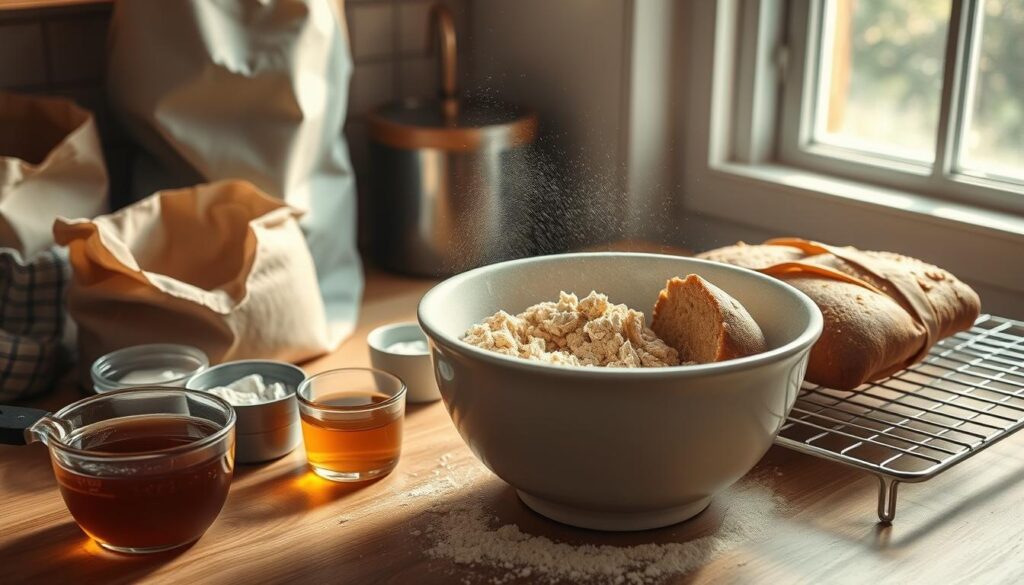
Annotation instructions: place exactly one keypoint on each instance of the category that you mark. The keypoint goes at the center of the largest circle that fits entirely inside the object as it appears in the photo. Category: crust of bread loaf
(956, 305)
(737, 334)
(754, 257)
(866, 335)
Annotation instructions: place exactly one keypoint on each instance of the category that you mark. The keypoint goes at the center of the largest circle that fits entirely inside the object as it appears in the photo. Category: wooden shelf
(34, 4)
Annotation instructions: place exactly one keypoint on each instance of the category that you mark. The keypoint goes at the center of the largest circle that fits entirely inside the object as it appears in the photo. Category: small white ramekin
(415, 370)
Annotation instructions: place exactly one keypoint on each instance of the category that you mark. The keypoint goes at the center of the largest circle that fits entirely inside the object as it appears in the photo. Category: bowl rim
(802, 341)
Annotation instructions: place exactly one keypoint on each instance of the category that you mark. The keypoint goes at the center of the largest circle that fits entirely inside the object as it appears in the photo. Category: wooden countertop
(283, 524)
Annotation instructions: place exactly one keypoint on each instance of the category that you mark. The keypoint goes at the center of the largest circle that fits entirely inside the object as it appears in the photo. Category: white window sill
(950, 214)
(976, 244)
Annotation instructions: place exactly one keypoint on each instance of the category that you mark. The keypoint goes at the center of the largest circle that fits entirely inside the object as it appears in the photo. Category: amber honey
(349, 439)
(138, 505)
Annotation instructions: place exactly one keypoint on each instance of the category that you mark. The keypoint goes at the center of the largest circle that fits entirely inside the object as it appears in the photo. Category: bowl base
(613, 521)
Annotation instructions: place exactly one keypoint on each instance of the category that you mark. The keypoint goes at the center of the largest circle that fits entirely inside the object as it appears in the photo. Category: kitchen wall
(598, 73)
(572, 68)
(61, 50)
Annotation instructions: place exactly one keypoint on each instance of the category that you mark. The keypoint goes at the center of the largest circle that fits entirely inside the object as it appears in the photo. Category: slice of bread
(703, 323)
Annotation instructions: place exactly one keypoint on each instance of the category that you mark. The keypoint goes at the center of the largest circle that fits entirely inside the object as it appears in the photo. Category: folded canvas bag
(50, 164)
(221, 266)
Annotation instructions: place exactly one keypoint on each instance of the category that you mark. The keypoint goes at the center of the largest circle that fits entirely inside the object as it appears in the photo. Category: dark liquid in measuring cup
(353, 442)
(139, 504)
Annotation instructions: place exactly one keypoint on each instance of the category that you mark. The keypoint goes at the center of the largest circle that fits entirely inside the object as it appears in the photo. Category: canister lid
(154, 364)
(454, 125)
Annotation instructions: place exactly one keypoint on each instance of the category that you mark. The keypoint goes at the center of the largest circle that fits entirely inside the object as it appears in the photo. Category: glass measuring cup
(141, 470)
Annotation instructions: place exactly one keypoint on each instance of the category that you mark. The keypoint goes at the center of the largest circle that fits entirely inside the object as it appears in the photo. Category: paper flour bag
(225, 89)
(222, 267)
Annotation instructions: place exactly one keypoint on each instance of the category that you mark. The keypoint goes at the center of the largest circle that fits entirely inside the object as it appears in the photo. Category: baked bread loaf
(882, 311)
(703, 323)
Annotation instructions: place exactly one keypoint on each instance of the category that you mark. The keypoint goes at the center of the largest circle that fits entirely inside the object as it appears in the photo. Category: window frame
(942, 178)
(731, 175)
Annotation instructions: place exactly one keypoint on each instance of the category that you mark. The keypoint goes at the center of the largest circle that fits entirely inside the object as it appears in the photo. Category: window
(886, 124)
(921, 95)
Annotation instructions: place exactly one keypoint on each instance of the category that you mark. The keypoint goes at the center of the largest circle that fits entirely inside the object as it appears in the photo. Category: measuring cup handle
(15, 420)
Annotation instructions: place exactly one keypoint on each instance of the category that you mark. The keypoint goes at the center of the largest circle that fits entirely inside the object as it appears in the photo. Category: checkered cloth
(32, 320)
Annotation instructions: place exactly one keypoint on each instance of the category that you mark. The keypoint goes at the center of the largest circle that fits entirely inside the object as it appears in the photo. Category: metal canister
(444, 175)
(267, 430)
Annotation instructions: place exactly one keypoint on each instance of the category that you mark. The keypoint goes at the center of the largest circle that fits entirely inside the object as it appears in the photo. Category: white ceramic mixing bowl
(615, 449)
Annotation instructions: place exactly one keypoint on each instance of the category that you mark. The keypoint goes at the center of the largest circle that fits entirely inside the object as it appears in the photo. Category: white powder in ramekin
(251, 389)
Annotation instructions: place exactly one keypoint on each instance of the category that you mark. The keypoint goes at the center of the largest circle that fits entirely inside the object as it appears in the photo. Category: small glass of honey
(352, 423)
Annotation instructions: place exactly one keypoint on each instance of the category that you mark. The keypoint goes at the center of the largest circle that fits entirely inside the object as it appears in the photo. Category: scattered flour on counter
(468, 535)
(428, 495)
(464, 532)
(447, 477)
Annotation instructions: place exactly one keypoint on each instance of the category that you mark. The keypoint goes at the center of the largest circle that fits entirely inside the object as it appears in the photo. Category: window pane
(881, 76)
(994, 142)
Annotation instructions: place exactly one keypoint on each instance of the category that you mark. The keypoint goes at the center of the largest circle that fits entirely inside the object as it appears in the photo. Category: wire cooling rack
(968, 394)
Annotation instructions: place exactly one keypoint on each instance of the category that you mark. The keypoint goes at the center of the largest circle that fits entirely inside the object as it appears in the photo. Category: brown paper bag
(221, 266)
(51, 165)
